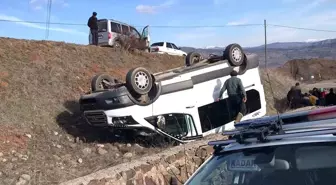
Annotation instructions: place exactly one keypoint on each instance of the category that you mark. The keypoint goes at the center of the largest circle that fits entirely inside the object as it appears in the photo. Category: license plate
(243, 164)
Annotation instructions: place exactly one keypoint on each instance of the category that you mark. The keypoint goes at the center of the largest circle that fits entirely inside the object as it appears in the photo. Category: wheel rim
(141, 80)
(195, 60)
(117, 44)
(236, 54)
(103, 85)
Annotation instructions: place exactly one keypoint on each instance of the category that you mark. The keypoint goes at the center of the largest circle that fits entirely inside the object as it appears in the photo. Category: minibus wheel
(192, 58)
(234, 54)
(139, 80)
(102, 82)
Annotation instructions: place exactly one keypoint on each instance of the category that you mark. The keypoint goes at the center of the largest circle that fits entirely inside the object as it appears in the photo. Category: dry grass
(321, 69)
(40, 83)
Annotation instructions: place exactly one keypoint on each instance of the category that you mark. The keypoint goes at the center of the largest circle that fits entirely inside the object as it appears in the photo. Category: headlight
(114, 100)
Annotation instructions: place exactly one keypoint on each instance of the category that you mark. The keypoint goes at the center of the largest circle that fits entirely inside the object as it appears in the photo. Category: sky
(195, 23)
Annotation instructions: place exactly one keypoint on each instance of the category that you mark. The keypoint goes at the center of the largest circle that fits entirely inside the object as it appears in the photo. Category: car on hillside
(115, 33)
(179, 103)
(166, 48)
(295, 149)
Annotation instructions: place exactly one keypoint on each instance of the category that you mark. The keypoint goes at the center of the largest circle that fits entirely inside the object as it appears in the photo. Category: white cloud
(145, 9)
(37, 26)
(151, 9)
(254, 35)
(41, 4)
(237, 23)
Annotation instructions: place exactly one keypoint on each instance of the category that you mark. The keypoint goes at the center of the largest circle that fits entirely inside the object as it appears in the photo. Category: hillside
(40, 83)
(281, 52)
(42, 134)
(321, 69)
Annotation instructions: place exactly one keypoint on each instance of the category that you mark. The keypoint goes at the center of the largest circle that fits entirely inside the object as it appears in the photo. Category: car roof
(285, 141)
(119, 22)
(310, 126)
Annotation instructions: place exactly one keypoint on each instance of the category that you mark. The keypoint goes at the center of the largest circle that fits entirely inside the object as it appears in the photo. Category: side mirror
(161, 122)
(179, 48)
(173, 181)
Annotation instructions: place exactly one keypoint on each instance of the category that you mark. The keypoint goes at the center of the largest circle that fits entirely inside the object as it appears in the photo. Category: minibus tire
(190, 59)
(134, 85)
(97, 81)
(229, 54)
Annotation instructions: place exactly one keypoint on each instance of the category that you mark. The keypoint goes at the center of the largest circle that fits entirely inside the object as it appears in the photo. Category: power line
(172, 26)
(155, 26)
(300, 28)
(40, 22)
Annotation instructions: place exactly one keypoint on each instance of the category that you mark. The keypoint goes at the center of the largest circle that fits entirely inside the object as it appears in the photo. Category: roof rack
(304, 123)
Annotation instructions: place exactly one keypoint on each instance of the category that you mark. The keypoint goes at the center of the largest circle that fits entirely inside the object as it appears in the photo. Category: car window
(134, 32)
(174, 46)
(115, 27)
(102, 26)
(284, 164)
(169, 45)
(175, 124)
(218, 113)
(125, 29)
(157, 44)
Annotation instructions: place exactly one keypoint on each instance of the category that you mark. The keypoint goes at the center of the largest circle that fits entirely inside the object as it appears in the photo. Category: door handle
(189, 107)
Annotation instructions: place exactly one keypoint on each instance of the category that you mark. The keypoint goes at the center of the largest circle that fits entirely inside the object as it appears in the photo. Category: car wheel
(117, 44)
(234, 53)
(139, 80)
(102, 81)
(192, 58)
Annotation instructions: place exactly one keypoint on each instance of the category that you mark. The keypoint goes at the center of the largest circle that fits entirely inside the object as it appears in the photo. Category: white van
(181, 103)
(110, 32)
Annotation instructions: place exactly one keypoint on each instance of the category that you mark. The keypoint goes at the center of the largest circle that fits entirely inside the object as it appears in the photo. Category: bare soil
(41, 131)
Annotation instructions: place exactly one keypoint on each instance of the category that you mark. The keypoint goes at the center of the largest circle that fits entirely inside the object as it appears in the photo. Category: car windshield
(302, 164)
(157, 44)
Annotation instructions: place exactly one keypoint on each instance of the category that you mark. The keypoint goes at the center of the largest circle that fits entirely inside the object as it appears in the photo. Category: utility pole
(49, 4)
(265, 30)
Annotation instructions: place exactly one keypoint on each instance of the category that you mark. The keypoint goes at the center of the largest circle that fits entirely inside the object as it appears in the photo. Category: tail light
(109, 35)
(155, 49)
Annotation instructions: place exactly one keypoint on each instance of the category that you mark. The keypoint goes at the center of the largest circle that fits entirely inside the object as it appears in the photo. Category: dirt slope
(40, 83)
(321, 69)
(283, 78)
(41, 133)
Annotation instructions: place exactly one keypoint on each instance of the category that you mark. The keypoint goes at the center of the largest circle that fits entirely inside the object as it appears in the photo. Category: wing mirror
(173, 181)
(161, 122)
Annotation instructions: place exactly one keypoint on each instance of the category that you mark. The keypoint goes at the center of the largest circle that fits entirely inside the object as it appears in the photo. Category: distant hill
(280, 52)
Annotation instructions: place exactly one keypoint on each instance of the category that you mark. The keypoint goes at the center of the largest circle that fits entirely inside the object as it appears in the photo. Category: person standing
(296, 96)
(331, 98)
(93, 25)
(237, 95)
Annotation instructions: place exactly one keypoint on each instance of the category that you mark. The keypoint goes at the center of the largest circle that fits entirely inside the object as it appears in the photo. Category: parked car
(167, 48)
(179, 103)
(296, 148)
(114, 33)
